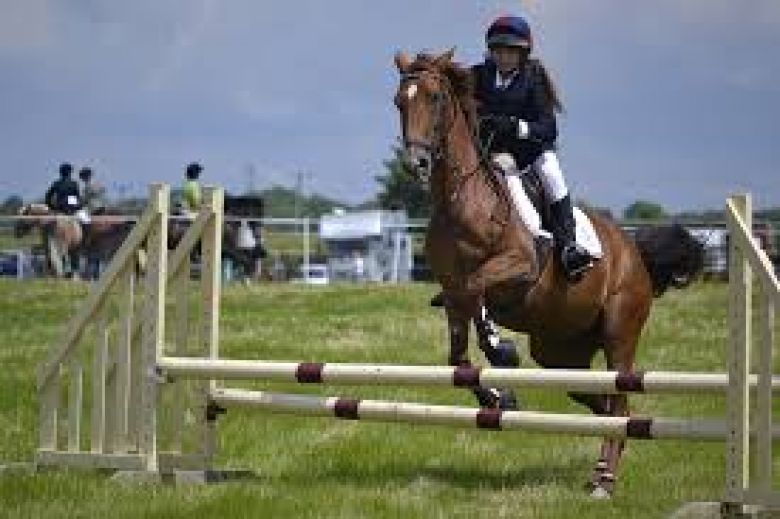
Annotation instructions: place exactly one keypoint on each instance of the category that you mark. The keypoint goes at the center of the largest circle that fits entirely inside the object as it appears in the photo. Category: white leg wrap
(550, 172)
(519, 197)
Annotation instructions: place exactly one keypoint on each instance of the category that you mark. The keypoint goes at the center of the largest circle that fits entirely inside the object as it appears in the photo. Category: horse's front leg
(499, 352)
(460, 310)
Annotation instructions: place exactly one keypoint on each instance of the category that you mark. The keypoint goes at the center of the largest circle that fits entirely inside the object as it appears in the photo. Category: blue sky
(672, 101)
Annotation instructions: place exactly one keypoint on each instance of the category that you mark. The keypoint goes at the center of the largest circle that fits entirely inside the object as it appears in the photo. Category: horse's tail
(672, 256)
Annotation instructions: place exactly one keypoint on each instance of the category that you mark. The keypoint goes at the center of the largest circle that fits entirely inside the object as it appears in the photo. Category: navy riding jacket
(525, 98)
(63, 196)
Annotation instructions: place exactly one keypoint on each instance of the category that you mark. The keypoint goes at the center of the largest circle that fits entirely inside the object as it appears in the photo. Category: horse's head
(25, 225)
(428, 93)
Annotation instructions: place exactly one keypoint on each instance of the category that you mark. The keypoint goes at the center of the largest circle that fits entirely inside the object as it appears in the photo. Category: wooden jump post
(136, 373)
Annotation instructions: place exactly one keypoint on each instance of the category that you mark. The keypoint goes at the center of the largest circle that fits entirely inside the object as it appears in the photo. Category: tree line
(398, 189)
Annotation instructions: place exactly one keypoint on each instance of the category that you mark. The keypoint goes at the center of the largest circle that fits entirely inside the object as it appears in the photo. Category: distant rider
(63, 194)
(190, 190)
(93, 193)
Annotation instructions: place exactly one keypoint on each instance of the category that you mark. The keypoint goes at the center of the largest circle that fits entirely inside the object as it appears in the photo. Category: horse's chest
(454, 250)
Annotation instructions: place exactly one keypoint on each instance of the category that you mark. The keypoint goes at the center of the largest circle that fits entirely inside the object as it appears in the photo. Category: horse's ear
(402, 61)
(446, 57)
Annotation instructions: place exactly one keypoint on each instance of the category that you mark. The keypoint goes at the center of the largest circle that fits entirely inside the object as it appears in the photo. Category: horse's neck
(463, 185)
(459, 161)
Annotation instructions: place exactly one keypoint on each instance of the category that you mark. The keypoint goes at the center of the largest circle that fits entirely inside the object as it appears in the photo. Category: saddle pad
(586, 234)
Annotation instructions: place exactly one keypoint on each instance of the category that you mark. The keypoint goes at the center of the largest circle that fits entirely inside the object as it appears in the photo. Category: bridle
(435, 144)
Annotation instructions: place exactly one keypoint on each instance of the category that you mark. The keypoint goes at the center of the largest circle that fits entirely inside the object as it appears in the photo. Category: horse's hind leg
(623, 319)
(578, 353)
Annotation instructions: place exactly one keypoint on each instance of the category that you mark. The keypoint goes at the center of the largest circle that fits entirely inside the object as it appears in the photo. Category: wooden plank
(75, 404)
(211, 277)
(470, 417)
(99, 367)
(737, 442)
(49, 396)
(768, 500)
(739, 231)
(763, 420)
(97, 294)
(122, 368)
(181, 283)
(181, 254)
(90, 460)
(153, 333)
(661, 382)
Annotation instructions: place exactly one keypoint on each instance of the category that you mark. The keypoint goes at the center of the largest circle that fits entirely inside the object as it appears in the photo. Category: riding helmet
(193, 170)
(509, 31)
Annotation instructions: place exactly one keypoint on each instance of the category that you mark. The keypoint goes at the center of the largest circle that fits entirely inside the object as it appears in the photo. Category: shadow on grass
(572, 474)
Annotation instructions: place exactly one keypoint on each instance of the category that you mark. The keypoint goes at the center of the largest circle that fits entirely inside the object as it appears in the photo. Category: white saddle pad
(586, 235)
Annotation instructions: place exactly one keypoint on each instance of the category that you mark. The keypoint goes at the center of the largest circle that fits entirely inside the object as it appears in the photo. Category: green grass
(319, 467)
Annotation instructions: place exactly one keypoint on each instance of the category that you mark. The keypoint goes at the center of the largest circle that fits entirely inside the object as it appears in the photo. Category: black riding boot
(575, 260)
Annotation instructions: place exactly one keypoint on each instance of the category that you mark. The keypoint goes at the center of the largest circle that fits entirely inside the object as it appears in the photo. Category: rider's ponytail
(553, 99)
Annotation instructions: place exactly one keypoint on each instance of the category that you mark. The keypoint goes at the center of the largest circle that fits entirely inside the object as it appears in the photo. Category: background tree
(644, 210)
(400, 190)
(11, 205)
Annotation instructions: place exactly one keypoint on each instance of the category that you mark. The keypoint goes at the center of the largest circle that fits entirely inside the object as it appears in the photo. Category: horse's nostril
(422, 163)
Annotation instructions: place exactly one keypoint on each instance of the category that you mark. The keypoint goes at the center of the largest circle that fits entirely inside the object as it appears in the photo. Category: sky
(676, 102)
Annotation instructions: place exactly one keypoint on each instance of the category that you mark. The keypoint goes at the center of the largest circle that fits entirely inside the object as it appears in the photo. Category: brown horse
(487, 263)
(65, 239)
(61, 236)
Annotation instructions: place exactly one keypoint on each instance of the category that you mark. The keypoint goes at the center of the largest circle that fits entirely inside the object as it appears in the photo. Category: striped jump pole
(462, 376)
(493, 419)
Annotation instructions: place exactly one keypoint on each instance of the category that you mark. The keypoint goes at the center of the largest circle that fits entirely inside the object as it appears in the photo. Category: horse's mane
(460, 77)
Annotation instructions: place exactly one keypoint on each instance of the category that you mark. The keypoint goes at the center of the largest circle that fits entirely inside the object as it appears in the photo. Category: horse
(61, 236)
(485, 258)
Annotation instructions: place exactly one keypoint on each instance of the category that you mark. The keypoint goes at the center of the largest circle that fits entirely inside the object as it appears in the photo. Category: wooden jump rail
(607, 382)
(135, 373)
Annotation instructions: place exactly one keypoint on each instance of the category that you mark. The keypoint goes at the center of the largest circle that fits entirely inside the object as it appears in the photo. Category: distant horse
(486, 260)
(234, 247)
(61, 236)
(103, 236)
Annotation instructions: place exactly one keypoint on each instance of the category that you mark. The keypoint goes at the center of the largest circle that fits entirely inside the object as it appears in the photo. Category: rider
(190, 190)
(93, 193)
(63, 194)
(517, 102)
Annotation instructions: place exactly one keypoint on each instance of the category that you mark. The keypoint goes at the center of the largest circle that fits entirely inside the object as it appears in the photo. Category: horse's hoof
(507, 400)
(600, 492)
(488, 398)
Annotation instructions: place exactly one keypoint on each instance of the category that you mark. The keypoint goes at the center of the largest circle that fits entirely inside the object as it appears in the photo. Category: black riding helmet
(85, 174)
(193, 171)
(65, 170)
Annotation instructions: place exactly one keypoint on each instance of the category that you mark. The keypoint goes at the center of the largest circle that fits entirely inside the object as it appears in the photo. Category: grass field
(329, 468)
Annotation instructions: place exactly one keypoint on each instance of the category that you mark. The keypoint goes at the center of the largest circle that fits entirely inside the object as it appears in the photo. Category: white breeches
(550, 173)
